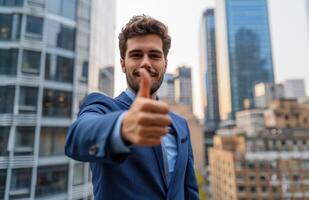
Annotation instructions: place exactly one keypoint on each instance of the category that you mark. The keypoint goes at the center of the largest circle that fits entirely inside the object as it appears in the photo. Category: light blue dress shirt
(169, 142)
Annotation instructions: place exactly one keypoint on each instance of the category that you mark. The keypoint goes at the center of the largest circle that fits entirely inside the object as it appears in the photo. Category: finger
(148, 142)
(153, 119)
(154, 106)
(155, 132)
(145, 84)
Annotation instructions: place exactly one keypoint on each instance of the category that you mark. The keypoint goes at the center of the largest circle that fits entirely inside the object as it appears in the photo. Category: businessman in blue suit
(137, 149)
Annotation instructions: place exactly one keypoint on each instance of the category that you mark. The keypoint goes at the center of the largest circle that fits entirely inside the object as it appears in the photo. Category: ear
(123, 66)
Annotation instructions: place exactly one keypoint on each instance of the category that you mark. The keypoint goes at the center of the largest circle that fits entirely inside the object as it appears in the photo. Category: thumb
(144, 85)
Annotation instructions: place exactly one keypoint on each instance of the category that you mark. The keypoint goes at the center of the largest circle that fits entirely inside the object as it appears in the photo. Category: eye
(155, 56)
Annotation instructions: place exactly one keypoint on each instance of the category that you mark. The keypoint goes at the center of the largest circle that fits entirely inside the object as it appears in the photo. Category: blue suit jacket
(138, 175)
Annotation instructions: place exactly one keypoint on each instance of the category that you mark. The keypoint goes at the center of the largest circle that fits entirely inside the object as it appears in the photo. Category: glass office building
(244, 54)
(44, 56)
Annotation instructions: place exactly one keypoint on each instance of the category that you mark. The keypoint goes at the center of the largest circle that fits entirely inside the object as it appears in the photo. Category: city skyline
(289, 62)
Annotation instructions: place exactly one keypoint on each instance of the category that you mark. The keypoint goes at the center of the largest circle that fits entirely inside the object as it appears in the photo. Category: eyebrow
(139, 51)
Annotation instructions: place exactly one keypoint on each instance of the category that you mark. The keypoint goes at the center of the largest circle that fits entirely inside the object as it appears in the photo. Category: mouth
(151, 73)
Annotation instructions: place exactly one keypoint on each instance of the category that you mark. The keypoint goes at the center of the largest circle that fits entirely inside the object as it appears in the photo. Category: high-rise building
(209, 71)
(183, 86)
(294, 89)
(271, 165)
(44, 56)
(251, 121)
(106, 80)
(167, 89)
(244, 56)
(265, 93)
(102, 43)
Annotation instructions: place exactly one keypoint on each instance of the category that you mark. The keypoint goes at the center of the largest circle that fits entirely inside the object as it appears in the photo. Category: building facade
(44, 75)
(183, 86)
(294, 89)
(287, 113)
(271, 165)
(244, 56)
(265, 93)
(209, 71)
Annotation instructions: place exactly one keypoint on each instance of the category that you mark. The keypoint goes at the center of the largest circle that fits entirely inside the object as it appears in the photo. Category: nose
(145, 63)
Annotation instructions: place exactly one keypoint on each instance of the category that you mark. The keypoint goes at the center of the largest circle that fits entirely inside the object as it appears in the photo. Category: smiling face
(144, 52)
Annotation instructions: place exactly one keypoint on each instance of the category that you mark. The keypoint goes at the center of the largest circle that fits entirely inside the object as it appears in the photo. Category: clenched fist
(147, 120)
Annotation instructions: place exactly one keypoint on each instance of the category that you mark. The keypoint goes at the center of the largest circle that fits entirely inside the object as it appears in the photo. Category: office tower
(44, 56)
(167, 89)
(209, 71)
(183, 86)
(244, 56)
(102, 43)
(294, 89)
(106, 80)
(265, 93)
(271, 165)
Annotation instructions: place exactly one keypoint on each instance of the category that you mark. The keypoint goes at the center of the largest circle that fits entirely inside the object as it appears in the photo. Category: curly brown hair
(140, 25)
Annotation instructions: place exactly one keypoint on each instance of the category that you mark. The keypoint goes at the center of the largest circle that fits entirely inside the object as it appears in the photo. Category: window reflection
(52, 141)
(24, 140)
(51, 180)
(60, 36)
(61, 70)
(28, 100)
(18, 3)
(8, 61)
(7, 99)
(4, 138)
(2, 182)
(10, 26)
(65, 8)
(57, 103)
(78, 177)
(31, 62)
(34, 27)
(20, 183)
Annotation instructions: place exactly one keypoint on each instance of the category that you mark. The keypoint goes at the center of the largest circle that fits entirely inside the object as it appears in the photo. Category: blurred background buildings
(45, 50)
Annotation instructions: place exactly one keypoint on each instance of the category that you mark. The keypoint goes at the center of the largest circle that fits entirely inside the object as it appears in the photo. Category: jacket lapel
(126, 101)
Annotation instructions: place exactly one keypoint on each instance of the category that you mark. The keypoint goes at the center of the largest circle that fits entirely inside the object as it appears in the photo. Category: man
(136, 147)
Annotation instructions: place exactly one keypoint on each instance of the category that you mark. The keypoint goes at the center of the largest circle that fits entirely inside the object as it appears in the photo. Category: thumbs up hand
(147, 120)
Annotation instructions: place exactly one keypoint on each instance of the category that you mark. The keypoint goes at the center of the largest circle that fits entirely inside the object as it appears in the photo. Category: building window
(34, 28)
(84, 75)
(10, 26)
(24, 140)
(2, 182)
(52, 141)
(31, 62)
(18, 3)
(28, 100)
(61, 70)
(7, 99)
(60, 36)
(57, 103)
(51, 180)
(20, 183)
(78, 177)
(4, 138)
(65, 8)
(8, 61)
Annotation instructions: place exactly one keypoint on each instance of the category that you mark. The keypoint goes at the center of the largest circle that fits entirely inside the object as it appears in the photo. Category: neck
(153, 96)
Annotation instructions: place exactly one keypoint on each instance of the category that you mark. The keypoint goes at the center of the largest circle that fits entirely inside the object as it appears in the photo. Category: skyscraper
(209, 71)
(167, 89)
(183, 86)
(244, 56)
(44, 56)
(294, 88)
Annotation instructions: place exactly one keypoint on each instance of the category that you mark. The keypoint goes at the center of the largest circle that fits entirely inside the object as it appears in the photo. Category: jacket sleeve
(191, 187)
(88, 137)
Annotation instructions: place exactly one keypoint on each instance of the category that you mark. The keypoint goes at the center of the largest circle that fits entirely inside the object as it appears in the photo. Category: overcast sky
(289, 31)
